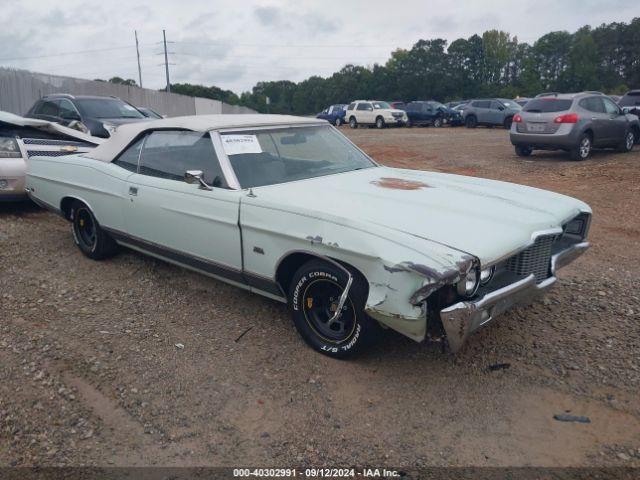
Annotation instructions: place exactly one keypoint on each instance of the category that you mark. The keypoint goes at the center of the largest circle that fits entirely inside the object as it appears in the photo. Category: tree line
(494, 64)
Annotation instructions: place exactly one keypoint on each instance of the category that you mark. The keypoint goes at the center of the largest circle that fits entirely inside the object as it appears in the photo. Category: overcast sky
(235, 43)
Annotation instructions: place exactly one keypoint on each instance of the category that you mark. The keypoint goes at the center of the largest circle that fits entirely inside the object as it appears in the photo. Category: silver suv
(490, 112)
(575, 122)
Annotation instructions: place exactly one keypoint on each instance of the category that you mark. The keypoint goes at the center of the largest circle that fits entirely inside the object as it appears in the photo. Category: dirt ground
(91, 375)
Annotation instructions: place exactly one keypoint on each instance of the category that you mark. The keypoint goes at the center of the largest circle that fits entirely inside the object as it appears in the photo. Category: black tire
(353, 123)
(338, 122)
(380, 122)
(626, 145)
(507, 123)
(315, 289)
(90, 238)
(583, 149)
(409, 124)
(471, 121)
(523, 151)
(437, 122)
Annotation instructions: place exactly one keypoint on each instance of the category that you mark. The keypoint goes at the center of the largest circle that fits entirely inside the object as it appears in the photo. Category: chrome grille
(51, 141)
(48, 153)
(535, 259)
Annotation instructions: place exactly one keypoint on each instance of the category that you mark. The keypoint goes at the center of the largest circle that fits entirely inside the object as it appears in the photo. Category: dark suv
(431, 113)
(575, 122)
(98, 116)
(631, 102)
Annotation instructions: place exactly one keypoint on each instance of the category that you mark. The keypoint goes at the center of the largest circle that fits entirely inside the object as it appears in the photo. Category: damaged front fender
(399, 301)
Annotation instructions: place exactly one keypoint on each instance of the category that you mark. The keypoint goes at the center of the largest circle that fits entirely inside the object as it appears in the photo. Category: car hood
(485, 218)
(46, 126)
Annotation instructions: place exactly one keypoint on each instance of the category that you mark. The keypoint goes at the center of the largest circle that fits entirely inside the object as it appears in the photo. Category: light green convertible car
(289, 208)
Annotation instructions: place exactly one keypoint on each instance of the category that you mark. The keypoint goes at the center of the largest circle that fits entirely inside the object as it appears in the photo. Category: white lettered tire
(314, 296)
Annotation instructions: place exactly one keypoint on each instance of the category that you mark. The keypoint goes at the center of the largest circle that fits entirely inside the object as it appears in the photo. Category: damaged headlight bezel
(470, 283)
(9, 147)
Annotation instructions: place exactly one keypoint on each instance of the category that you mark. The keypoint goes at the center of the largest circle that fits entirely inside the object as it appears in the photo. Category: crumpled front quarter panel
(396, 266)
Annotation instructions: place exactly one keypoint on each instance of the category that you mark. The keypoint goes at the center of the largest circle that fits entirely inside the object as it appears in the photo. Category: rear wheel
(380, 122)
(90, 238)
(314, 296)
(583, 149)
(627, 142)
(507, 123)
(471, 121)
(353, 123)
(338, 121)
(523, 151)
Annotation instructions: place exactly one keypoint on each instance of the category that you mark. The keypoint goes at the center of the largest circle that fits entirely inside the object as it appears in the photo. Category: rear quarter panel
(101, 185)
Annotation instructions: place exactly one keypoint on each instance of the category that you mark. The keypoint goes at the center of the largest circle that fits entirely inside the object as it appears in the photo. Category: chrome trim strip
(225, 162)
(220, 271)
(463, 318)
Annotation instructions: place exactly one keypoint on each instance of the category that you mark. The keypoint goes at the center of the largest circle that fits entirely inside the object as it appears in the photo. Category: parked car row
(383, 114)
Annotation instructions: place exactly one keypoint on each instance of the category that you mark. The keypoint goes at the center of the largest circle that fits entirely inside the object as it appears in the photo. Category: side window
(49, 107)
(495, 105)
(67, 110)
(610, 107)
(351, 106)
(129, 158)
(593, 104)
(169, 154)
(413, 107)
(363, 106)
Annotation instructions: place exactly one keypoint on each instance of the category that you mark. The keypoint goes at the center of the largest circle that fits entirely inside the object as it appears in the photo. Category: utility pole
(138, 54)
(166, 60)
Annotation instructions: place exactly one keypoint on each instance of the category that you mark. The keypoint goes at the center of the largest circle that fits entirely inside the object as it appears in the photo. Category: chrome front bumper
(464, 318)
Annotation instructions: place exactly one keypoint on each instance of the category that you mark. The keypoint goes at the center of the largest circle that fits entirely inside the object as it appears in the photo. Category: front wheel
(379, 122)
(353, 123)
(409, 123)
(438, 122)
(314, 297)
(507, 123)
(627, 142)
(90, 238)
(338, 122)
(471, 122)
(583, 149)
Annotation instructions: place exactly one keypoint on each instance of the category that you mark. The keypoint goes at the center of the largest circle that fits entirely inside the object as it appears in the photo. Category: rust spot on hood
(399, 184)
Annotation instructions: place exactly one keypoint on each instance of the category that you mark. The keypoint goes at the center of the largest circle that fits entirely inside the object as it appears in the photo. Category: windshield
(437, 105)
(280, 155)
(381, 105)
(107, 108)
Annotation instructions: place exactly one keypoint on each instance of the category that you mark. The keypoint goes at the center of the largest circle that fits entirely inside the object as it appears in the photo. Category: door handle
(133, 191)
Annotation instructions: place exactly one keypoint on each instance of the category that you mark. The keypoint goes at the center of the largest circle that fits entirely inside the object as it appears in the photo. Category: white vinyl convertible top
(126, 133)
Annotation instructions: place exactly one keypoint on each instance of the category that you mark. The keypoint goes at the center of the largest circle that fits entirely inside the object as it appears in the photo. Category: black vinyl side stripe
(207, 266)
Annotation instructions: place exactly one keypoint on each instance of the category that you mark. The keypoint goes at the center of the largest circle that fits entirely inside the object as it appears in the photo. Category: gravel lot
(91, 374)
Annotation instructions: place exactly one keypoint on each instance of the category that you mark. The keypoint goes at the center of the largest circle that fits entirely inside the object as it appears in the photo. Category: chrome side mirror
(196, 176)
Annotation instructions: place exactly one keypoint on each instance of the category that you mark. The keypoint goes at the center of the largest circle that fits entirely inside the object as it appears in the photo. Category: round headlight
(471, 282)
(486, 275)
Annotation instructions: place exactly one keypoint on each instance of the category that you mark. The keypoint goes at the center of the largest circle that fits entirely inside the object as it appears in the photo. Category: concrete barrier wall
(19, 89)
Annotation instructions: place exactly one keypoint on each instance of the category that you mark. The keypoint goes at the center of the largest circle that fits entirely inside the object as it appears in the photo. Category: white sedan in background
(289, 208)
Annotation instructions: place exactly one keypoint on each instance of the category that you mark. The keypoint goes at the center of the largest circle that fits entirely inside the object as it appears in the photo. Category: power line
(60, 54)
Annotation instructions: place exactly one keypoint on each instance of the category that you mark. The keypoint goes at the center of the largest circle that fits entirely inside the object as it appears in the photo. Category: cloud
(237, 44)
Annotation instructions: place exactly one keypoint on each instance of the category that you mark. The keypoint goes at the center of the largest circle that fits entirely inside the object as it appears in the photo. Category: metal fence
(19, 89)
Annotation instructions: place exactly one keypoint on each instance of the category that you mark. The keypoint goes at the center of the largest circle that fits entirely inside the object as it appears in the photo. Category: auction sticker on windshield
(238, 144)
